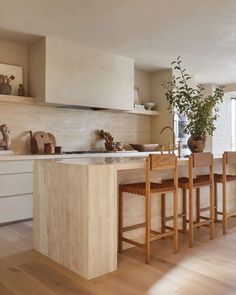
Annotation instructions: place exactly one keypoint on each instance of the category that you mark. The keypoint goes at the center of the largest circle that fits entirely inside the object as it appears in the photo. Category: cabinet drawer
(9, 167)
(15, 208)
(16, 184)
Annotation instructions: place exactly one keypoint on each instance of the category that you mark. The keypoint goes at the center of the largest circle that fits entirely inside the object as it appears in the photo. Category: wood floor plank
(18, 282)
(208, 268)
(4, 290)
(53, 280)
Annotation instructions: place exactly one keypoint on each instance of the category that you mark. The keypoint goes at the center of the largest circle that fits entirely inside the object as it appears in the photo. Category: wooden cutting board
(42, 138)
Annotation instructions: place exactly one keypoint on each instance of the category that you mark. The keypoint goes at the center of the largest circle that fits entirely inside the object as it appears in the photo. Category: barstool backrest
(201, 159)
(163, 162)
(197, 160)
(230, 157)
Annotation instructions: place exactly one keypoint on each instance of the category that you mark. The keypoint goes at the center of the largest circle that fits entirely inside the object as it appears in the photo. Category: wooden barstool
(189, 183)
(158, 163)
(227, 159)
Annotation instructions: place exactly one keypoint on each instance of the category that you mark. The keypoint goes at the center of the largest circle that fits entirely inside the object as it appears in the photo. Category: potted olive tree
(200, 112)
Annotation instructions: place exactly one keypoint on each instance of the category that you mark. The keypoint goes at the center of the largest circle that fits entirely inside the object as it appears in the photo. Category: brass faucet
(171, 146)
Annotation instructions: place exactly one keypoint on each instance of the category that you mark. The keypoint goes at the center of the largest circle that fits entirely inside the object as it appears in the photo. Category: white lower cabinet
(16, 190)
(16, 208)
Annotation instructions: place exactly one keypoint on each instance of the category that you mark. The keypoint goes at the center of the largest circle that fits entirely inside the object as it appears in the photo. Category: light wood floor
(208, 268)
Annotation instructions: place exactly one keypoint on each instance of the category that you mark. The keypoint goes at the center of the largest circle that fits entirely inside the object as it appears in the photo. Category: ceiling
(153, 32)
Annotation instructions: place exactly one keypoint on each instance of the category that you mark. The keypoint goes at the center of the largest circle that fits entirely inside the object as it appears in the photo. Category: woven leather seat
(197, 182)
(139, 188)
(219, 177)
(183, 182)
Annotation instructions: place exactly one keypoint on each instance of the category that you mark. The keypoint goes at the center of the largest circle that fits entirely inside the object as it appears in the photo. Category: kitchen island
(75, 209)
(16, 180)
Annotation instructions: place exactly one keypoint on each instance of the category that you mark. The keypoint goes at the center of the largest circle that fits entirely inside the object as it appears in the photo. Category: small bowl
(149, 105)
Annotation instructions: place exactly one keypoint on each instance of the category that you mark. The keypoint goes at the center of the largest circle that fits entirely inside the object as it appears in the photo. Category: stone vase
(197, 144)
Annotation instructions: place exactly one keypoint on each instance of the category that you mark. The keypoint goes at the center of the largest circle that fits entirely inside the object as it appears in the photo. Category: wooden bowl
(150, 147)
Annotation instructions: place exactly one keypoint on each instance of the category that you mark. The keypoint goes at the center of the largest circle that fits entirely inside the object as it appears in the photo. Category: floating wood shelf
(37, 102)
(143, 112)
(18, 99)
(137, 112)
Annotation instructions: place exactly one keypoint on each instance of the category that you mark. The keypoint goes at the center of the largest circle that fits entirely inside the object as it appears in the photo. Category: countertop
(15, 157)
(119, 155)
(120, 163)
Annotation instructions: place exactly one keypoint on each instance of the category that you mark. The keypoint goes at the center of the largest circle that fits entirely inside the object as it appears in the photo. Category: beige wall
(222, 139)
(74, 129)
(209, 88)
(15, 54)
(158, 93)
(142, 82)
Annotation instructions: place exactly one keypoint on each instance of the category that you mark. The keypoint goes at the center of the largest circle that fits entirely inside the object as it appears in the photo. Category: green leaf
(201, 112)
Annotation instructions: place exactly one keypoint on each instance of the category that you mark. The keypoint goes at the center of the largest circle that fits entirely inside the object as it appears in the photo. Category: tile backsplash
(74, 129)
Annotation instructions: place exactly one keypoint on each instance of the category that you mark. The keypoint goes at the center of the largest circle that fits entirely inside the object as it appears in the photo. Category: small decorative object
(5, 87)
(49, 148)
(200, 112)
(139, 107)
(33, 144)
(119, 146)
(58, 149)
(5, 142)
(14, 71)
(137, 99)
(149, 105)
(21, 90)
(109, 144)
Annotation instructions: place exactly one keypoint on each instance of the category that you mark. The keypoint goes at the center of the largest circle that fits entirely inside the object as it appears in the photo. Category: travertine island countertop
(120, 162)
(22, 157)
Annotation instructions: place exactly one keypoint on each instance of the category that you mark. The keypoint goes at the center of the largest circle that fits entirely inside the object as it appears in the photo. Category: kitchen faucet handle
(170, 146)
(161, 148)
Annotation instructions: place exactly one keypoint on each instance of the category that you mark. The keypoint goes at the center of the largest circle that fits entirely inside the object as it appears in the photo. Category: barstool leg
(224, 207)
(147, 229)
(190, 218)
(184, 210)
(120, 247)
(216, 204)
(163, 213)
(198, 204)
(175, 207)
(212, 207)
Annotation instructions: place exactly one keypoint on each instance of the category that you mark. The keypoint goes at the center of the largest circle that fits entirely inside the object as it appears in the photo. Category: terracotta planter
(197, 144)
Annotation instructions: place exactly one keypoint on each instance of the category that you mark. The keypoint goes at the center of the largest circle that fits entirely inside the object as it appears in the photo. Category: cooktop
(85, 152)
